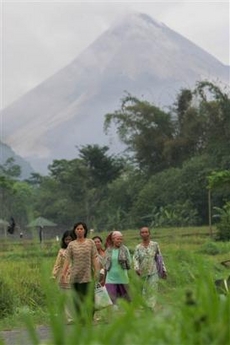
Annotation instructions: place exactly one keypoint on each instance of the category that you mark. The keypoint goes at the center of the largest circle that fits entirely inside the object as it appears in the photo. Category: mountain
(136, 54)
(6, 152)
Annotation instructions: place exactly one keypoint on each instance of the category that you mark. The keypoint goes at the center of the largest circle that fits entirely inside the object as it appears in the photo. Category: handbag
(160, 266)
(101, 297)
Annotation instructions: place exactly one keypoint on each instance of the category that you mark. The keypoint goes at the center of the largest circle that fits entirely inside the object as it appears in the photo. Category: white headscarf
(116, 233)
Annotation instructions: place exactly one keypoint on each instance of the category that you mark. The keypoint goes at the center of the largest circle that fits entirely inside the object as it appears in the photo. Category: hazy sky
(40, 37)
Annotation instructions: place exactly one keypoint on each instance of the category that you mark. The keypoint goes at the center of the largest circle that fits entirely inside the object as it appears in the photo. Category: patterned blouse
(144, 258)
(57, 270)
(81, 256)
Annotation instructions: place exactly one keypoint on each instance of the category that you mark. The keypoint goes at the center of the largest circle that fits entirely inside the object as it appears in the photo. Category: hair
(108, 240)
(97, 237)
(67, 233)
(84, 226)
(145, 227)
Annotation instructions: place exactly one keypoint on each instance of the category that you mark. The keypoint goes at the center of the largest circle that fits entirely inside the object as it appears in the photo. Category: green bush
(210, 248)
(223, 226)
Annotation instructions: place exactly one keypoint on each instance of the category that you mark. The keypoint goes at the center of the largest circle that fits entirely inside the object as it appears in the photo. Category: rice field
(189, 310)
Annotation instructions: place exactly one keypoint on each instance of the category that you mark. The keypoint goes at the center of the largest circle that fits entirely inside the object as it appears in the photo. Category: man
(145, 265)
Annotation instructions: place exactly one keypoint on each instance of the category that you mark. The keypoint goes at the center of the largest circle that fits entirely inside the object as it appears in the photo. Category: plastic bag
(101, 298)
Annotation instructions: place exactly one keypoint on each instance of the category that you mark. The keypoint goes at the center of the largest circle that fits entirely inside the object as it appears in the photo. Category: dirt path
(21, 336)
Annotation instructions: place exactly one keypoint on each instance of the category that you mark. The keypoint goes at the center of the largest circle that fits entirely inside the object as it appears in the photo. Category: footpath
(21, 336)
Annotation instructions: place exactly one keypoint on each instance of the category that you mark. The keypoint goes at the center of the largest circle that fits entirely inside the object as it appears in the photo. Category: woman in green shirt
(117, 264)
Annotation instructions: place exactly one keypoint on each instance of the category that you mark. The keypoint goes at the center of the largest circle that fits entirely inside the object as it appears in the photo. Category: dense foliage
(161, 179)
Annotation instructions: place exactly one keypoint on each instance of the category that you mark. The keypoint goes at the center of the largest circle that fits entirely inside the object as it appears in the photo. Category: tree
(189, 137)
(102, 168)
(215, 107)
(35, 179)
(82, 183)
(22, 202)
(6, 190)
(145, 129)
(218, 180)
(182, 104)
(10, 169)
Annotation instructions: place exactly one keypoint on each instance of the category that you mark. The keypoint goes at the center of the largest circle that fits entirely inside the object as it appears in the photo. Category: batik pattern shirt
(144, 258)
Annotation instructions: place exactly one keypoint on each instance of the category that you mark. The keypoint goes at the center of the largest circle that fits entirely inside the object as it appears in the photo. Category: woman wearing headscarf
(117, 264)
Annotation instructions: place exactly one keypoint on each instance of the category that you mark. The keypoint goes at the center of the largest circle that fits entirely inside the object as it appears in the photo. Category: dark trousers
(84, 300)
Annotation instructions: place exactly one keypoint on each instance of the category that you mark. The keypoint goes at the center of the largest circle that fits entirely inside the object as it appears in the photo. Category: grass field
(188, 311)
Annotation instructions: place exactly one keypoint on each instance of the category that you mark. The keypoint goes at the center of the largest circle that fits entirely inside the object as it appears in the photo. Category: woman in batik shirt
(67, 237)
(144, 261)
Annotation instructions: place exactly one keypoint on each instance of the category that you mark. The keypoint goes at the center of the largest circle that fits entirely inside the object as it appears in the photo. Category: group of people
(82, 262)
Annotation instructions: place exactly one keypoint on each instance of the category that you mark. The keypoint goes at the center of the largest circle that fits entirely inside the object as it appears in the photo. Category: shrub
(210, 248)
(223, 227)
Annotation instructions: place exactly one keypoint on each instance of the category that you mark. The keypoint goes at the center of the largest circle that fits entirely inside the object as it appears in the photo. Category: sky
(38, 38)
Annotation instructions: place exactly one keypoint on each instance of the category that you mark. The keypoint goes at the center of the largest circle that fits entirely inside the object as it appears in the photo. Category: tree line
(160, 179)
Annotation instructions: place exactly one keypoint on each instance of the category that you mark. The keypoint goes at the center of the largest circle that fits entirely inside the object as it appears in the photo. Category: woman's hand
(102, 279)
(164, 275)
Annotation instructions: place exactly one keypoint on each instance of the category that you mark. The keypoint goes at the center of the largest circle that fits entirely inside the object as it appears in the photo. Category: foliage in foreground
(199, 317)
(188, 311)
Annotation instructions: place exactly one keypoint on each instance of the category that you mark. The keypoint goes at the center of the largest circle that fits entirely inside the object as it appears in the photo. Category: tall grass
(188, 311)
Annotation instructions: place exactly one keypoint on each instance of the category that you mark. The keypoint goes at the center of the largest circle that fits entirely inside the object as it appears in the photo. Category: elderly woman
(117, 264)
(145, 265)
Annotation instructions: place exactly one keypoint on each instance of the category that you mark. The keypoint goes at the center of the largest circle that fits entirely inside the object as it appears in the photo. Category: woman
(117, 264)
(98, 242)
(101, 256)
(82, 255)
(67, 237)
(144, 260)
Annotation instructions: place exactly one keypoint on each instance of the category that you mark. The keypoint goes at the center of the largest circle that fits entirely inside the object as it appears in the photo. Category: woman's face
(98, 243)
(80, 231)
(117, 240)
(67, 240)
(145, 234)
